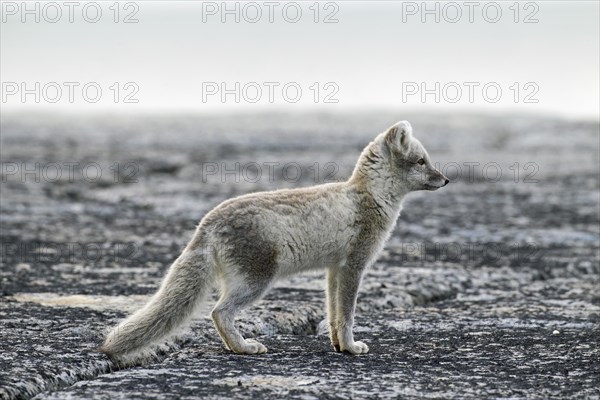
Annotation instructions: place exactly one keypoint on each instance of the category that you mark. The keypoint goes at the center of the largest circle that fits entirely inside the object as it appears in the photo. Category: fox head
(409, 161)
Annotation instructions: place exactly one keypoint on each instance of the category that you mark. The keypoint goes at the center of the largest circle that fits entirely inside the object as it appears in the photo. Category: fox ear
(398, 135)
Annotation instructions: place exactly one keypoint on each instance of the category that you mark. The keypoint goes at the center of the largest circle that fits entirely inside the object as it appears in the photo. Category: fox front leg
(332, 305)
(348, 281)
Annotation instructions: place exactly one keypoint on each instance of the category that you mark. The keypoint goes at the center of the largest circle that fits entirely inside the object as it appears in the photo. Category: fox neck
(372, 176)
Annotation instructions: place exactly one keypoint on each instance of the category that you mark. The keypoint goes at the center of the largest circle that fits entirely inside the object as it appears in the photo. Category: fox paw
(251, 346)
(355, 348)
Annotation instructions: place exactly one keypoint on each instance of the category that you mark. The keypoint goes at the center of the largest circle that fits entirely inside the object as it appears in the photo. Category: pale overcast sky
(180, 55)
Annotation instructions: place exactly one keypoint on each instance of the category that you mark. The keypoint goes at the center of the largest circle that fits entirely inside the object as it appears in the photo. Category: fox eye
(421, 161)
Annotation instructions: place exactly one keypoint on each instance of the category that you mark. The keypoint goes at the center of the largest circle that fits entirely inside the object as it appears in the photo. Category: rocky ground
(488, 288)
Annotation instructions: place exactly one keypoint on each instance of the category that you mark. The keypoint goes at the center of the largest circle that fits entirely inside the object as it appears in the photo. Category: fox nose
(447, 181)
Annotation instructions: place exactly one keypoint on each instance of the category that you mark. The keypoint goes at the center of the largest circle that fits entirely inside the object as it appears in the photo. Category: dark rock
(463, 303)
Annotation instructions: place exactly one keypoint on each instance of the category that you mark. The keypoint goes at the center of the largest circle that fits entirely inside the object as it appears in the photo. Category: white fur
(246, 243)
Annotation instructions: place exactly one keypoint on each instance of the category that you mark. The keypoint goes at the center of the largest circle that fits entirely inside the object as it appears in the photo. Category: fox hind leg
(234, 299)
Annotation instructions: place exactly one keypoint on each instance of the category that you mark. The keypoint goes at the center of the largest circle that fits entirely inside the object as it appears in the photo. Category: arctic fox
(246, 243)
